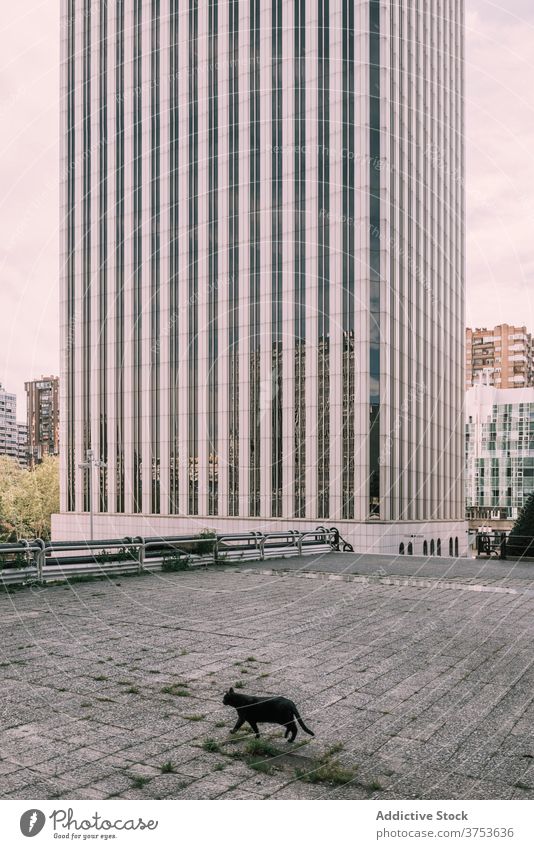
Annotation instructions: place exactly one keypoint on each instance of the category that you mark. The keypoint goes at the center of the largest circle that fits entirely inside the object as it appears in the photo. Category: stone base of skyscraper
(418, 538)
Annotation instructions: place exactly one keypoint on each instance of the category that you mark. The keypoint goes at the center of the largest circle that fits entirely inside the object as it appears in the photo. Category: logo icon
(32, 822)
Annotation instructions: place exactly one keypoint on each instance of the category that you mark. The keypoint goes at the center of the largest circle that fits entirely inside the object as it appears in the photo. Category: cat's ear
(231, 690)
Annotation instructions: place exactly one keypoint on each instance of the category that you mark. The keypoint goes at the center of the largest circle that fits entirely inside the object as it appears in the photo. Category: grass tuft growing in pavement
(211, 745)
(261, 747)
(259, 755)
(328, 772)
(176, 690)
(139, 781)
(333, 750)
(167, 767)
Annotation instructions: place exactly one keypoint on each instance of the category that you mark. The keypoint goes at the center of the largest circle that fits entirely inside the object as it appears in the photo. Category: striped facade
(263, 266)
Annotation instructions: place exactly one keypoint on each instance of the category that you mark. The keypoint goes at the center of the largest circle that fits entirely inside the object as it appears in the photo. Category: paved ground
(416, 676)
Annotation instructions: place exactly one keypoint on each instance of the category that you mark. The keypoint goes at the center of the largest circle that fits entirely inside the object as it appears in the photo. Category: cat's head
(229, 697)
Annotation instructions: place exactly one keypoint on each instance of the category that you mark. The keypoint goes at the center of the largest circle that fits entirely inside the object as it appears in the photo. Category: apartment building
(13, 434)
(43, 418)
(503, 354)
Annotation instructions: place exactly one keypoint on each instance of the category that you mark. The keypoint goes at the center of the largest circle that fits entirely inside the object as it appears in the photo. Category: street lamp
(91, 463)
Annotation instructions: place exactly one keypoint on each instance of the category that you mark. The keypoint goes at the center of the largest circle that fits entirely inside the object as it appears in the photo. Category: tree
(11, 475)
(28, 499)
(520, 542)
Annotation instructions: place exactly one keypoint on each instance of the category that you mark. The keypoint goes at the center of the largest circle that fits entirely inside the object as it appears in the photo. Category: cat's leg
(293, 730)
(254, 727)
(238, 725)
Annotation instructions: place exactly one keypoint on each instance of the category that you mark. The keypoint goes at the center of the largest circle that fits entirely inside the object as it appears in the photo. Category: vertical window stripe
(323, 270)
(233, 262)
(137, 257)
(86, 248)
(374, 257)
(174, 282)
(155, 282)
(70, 262)
(119, 257)
(103, 257)
(213, 259)
(276, 258)
(348, 226)
(300, 258)
(254, 264)
(193, 260)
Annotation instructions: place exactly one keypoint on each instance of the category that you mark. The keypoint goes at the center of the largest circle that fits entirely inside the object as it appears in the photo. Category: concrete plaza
(415, 674)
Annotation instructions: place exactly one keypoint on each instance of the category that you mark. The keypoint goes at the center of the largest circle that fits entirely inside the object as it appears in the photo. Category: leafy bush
(176, 563)
(207, 544)
(27, 499)
(520, 542)
(14, 561)
(122, 555)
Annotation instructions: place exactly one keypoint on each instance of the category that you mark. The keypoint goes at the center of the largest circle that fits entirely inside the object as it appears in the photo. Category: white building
(499, 451)
(13, 435)
(263, 267)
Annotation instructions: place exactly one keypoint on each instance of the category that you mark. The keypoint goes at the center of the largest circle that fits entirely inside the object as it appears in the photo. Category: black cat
(254, 709)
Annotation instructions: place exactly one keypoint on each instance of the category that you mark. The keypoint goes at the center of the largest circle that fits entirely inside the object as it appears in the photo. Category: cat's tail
(301, 723)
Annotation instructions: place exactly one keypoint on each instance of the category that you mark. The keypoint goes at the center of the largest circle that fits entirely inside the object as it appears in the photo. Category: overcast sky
(500, 177)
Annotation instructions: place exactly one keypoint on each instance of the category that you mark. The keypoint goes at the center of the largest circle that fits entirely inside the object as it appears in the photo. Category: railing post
(26, 545)
(42, 545)
(141, 554)
(41, 558)
(262, 548)
(257, 541)
(215, 551)
(334, 539)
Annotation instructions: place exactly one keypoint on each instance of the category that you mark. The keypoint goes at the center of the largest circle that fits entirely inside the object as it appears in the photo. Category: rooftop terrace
(416, 676)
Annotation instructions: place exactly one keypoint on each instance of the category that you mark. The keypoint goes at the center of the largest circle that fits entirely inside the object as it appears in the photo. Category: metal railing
(499, 544)
(36, 561)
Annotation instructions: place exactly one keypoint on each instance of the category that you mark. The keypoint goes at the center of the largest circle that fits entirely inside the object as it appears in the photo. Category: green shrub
(122, 555)
(15, 561)
(520, 542)
(207, 543)
(176, 563)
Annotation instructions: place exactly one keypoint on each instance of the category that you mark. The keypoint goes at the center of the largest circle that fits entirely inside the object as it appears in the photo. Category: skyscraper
(263, 245)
